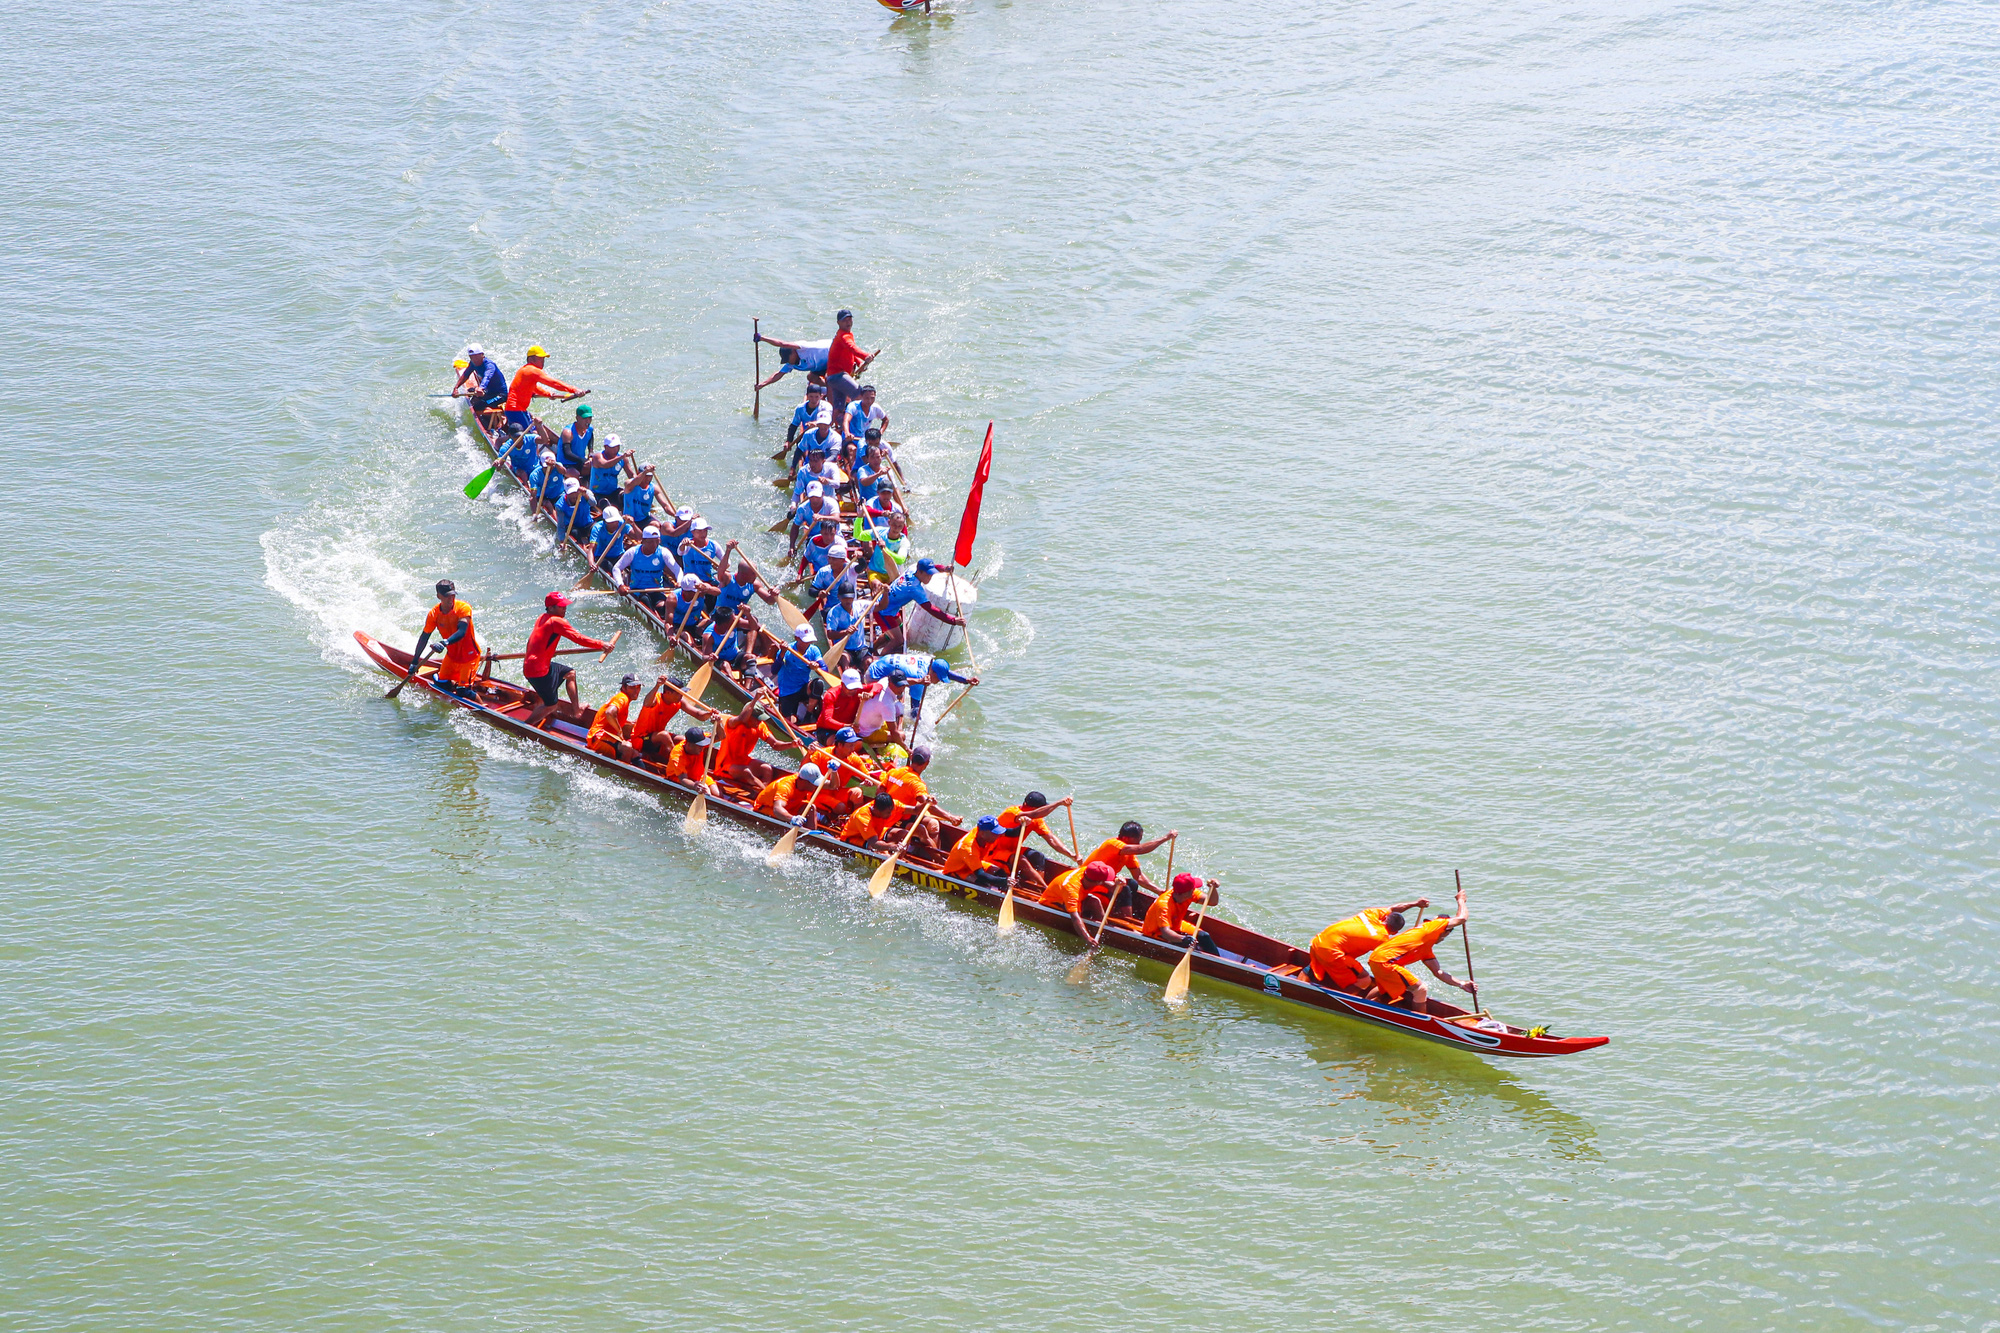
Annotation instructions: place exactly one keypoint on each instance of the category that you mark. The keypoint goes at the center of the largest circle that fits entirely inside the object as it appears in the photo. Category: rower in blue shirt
(908, 590)
(795, 672)
(702, 557)
(606, 468)
(845, 634)
(545, 480)
(577, 442)
(607, 539)
(806, 413)
(727, 642)
(645, 571)
(637, 500)
(921, 670)
(820, 439)
(741, 586)
(573, 511)
(687, 610)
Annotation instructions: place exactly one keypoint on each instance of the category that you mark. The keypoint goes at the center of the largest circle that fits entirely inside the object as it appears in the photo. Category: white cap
(548, 455)
(851, 678)
(614, 442)
(690, 582)
(683, 514)
(571, 484)
(700, 524)
(802, 631)
(650, 531)
(814, 490)
(474, 349)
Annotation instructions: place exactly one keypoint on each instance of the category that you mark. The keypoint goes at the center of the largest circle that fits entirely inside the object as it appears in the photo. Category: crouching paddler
(1389, 963)
(1030, 816)
(451, 621)
(609, 727)
(540, 668)
(1166, 919)
(1337, 951)
(790, 797)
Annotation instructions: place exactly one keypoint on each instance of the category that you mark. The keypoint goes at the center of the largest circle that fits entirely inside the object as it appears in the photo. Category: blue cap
(847, 736)
(939, 669)
(897, 673)
(988, 824)
(926, 566)
(844, 314)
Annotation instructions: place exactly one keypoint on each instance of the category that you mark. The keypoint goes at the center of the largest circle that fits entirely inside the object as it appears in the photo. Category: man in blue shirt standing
(908, 590)
(482, 382)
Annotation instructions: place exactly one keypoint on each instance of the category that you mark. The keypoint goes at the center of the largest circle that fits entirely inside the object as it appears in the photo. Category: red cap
(1097, 872)
(1186, 883)
(556, 601)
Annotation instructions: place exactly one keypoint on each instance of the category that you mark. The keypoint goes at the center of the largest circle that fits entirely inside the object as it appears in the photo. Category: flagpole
(968, 531)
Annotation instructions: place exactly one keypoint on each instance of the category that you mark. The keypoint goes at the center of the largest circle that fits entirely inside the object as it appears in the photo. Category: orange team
(1123, 853)
(689, 761)
(1388, 964)
(1167, 919)
(791, 797)
(977, 856)
(871, 825)
(540, 667)
(736, 739)
(451, 621)
(663, 703)
(1018, 821)
(847, 770)
(608, 727)
(531, 382)
(1336, 951)
(906, 785)
(1066, 891)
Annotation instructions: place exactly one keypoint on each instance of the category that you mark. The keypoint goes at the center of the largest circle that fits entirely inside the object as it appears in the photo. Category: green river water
(1553, 443)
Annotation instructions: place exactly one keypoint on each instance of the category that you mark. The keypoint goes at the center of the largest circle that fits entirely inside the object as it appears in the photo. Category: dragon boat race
(1002, 665)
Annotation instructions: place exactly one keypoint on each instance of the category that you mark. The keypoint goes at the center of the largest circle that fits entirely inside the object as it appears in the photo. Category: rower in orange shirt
(1066, 891)
(791, 797)
(1336, 951)
(907, 785)
(608, 727)
(1017, 821)
(689, 761)
(735, 741)
(976, 856)
(451, 621)
(871, 825)
(1167, 919)
(1123, 853)
(663, 703)
(531, 382)
(1388, 964)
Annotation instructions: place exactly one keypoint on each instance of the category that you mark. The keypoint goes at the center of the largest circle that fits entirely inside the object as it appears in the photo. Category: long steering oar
(1006, 923)
(757, 369)
(878, 883)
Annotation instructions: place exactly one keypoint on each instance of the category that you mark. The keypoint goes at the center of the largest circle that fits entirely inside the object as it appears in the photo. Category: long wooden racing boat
(1249, 961)
(765, 644)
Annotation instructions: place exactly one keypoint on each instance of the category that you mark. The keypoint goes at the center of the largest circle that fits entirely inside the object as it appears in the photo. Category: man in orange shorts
(1065, 894)
(1389, 963)
(871, 826)
(1123, 853)
(451, 621)
(1336, 951)
(608, 728)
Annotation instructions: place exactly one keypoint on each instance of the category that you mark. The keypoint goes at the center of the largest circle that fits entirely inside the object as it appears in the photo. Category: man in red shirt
(844, 361)
(531, 382)
(540, 667)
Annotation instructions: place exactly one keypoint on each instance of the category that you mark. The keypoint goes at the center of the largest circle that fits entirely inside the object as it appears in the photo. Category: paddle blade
(794, 617)
(878, 883)
(1006, 925)
(699, 680)
(782, 852)
(782, 526)
(1081, 972)
(477, 486)
(697, 814)
(1177, 984)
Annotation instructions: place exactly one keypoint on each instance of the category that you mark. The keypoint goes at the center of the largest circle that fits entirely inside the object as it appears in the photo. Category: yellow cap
(537, 350)
(460, 364)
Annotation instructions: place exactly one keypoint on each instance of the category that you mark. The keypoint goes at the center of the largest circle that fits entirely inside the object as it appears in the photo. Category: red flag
(968, 527)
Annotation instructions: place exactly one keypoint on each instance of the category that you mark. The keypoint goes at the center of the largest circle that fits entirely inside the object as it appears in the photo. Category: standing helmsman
(451, 621)
(532, 382)
(540, 668)
(844, 360)
(482, 383)
(1389, 963)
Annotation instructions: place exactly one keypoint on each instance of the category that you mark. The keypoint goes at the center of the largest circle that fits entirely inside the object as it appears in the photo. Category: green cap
(584, 410)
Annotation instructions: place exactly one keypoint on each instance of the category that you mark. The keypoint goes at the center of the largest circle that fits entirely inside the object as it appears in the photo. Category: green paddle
(475, 487)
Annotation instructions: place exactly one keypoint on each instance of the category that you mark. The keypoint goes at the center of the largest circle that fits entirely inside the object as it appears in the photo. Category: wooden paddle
(1465, 938)
(415, 665)
(878, 883)
(697, 814)
(947, 713)
(1006, 924)
(559, 652)
(1177, 984)
(757, 371)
